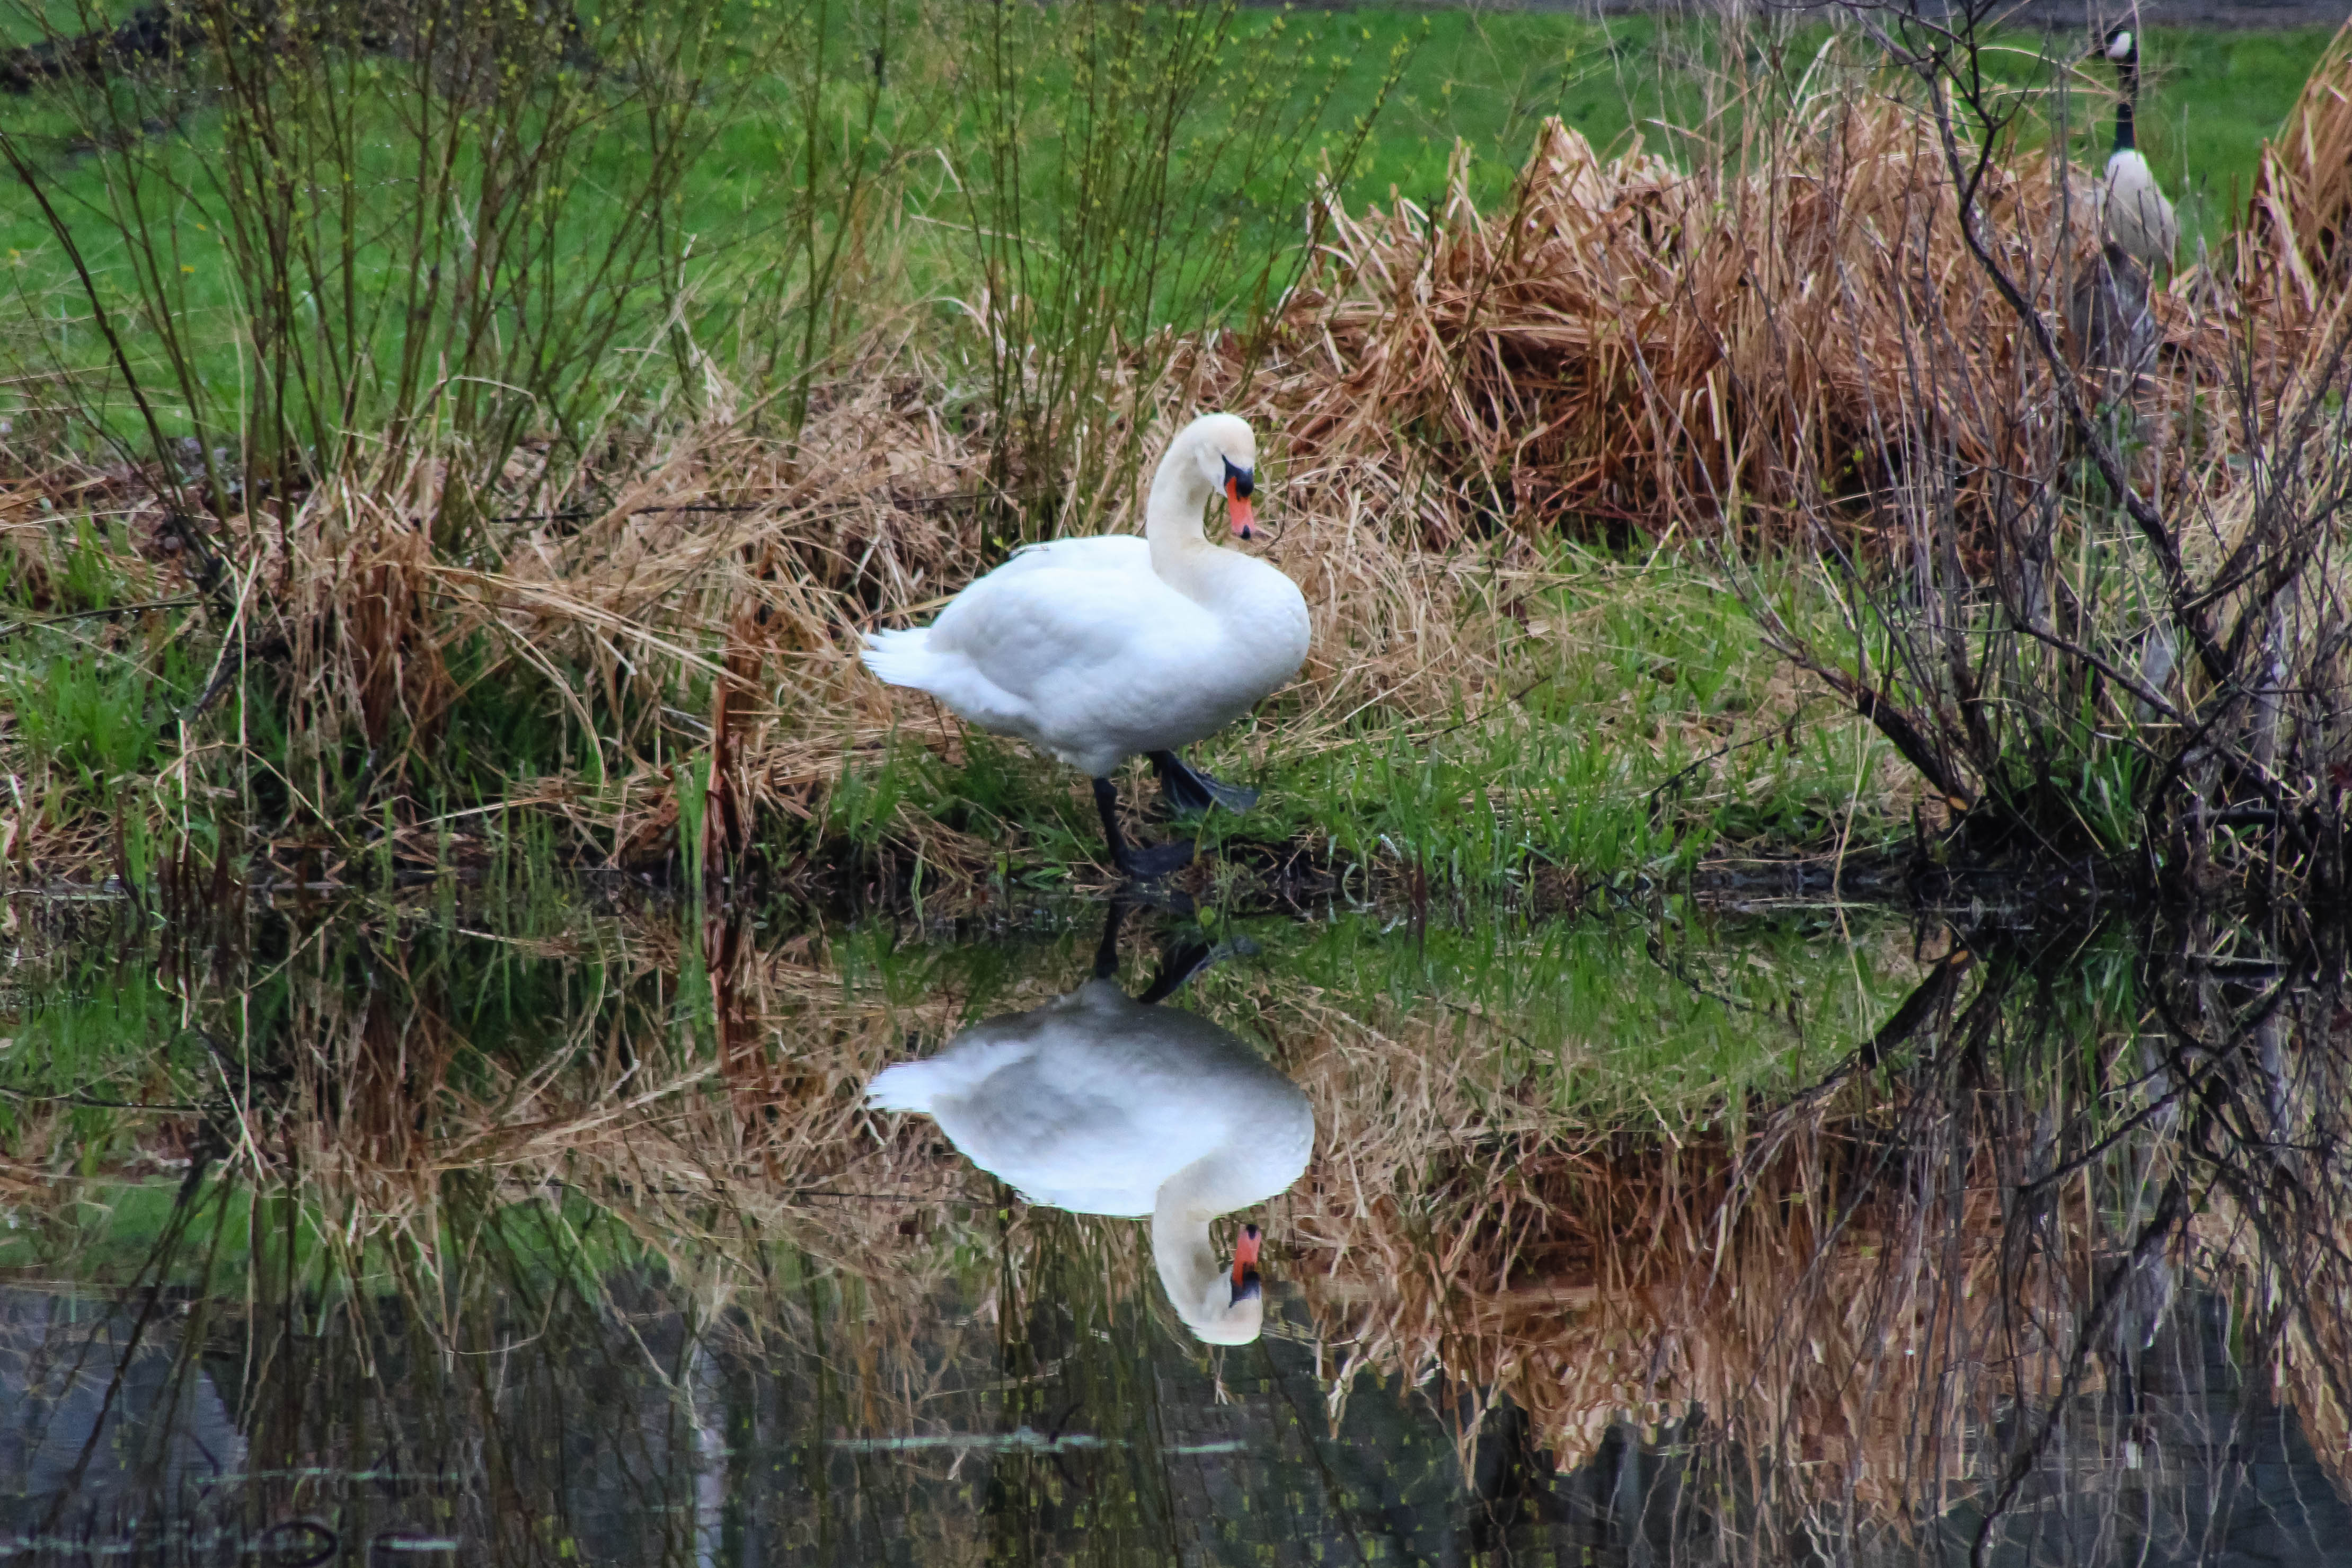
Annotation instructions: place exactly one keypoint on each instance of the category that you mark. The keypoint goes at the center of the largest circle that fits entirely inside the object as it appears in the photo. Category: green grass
(1482, 79)
(1486, 79)
(2209, 96)
(1642, 724)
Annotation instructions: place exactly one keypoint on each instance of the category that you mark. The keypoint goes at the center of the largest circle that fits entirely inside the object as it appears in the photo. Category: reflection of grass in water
(1561, 1163)
(578, 1065)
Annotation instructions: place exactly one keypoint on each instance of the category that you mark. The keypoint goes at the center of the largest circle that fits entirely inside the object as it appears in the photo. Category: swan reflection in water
(1100, 1102)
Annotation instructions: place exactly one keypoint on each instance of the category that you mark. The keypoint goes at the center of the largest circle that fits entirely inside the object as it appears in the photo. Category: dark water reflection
(1788, 1241)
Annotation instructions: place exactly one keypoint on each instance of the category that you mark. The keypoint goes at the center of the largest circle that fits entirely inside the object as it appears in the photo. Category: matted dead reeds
(1753, 341)
(2299, 224)
(1627, 344)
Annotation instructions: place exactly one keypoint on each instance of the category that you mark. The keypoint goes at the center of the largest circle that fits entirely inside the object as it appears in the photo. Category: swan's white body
(1095, 650)
(1100, 1104)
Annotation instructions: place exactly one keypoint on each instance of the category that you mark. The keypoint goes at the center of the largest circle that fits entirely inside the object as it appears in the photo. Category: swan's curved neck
(1190, 1270)
(1181, 554)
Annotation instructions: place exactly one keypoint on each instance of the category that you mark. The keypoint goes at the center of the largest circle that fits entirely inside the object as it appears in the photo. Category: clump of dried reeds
(744, 565)
(2298, 236)
(1625, 344)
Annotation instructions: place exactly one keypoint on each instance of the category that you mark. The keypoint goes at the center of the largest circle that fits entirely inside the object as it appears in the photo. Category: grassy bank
(485, 450)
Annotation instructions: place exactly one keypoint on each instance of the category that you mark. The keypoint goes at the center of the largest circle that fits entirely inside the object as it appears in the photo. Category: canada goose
(1096, 650)
(2132, 211)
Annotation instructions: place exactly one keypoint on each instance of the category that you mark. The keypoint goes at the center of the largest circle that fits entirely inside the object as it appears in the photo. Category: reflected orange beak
(1245, 1252)
(1238, 508)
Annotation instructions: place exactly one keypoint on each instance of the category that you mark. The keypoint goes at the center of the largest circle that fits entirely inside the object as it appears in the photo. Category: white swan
(1102, 1104)
(1096, 650)
(2137, 218)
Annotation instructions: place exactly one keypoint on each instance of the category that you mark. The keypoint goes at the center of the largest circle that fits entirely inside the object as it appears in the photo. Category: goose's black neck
(2127, 79)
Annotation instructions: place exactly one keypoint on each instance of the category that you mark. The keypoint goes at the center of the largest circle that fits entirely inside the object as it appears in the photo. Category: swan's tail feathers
(954, 1074)
(901, 658)
(909, 1086)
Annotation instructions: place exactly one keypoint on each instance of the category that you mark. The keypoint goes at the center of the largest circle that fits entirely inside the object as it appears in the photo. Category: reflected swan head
(1229, 1309)
(1099, 1103)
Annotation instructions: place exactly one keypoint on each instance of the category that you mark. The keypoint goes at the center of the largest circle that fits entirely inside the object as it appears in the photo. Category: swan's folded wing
(1046, 625)
(1114, 553)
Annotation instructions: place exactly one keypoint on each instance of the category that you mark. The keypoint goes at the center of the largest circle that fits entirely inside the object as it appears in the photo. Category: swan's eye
(1247, 1288)
(1238, 480)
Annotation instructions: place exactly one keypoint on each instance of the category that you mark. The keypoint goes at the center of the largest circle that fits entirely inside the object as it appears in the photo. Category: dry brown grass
(1625, 344)
(730, 559)
(1627, 347)
(2299, 224)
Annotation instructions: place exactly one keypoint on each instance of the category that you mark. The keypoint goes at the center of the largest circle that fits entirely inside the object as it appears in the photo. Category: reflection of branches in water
(1917, 1276)
(1917, 1288)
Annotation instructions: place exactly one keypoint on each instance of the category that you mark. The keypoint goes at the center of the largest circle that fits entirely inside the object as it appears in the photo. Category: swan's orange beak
(1238, 508)
(1245, 1281)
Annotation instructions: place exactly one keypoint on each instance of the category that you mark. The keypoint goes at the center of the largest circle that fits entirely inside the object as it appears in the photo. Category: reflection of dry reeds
(1860, 1288)
(1455, 1224)
(1601, 1286)
(1771, 1279)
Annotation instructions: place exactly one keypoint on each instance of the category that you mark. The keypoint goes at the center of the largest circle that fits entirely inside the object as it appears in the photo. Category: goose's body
(1096, 650)
(2132, 211)
(2137, 218)
(1102, 1104)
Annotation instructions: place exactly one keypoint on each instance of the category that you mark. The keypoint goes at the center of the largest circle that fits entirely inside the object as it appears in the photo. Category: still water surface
(563, 1237)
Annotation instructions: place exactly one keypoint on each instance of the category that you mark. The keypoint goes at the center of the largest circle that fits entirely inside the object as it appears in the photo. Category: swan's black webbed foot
(1189, 792)
(1155, 860)
(1178, 963)
(1180, 960)
(1147, 863)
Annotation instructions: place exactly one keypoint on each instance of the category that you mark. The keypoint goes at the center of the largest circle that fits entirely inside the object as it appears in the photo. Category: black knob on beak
(1245, 1281)
(1239, 481)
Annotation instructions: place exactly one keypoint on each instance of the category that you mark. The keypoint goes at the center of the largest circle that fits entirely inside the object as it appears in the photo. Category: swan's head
(1225, 448)
(1232, 1311)
(2122, 47)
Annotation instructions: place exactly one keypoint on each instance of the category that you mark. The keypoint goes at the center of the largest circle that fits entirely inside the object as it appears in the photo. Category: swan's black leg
(1179, 964)
(1143, 864)
(1189, 790)
(1106, 950)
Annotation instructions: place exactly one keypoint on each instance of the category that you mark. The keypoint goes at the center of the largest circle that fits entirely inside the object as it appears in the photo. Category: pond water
(559, 1234)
